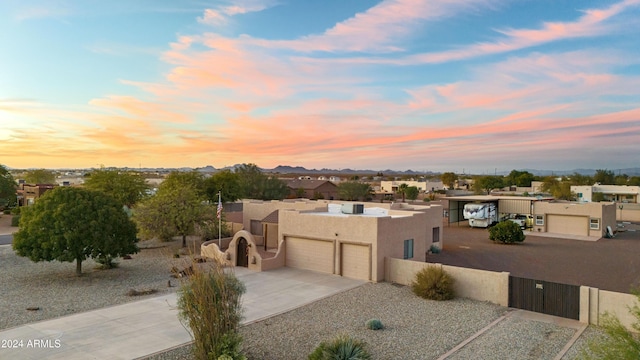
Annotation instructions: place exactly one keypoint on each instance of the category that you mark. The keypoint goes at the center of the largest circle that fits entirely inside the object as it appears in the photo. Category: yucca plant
(374, 324)
(433, 283)
(343, 347)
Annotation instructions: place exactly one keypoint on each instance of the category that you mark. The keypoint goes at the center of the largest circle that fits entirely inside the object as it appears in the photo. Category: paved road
(6, 239)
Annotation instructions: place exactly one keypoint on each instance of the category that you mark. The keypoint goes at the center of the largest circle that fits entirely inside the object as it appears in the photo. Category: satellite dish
(609, 232)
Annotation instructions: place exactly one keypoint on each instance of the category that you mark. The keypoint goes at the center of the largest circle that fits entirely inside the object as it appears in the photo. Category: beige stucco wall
(629, 212)
(469, 283)
(617, 304)
(606, 212)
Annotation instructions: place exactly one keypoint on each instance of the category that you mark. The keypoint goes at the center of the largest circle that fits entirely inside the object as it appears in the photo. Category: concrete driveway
(148, 326)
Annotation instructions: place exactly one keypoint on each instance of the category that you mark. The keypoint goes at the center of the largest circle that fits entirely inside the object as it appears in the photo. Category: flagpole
(219, 221)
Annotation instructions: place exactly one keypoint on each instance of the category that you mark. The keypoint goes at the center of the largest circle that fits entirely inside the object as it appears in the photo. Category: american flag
(219, 211)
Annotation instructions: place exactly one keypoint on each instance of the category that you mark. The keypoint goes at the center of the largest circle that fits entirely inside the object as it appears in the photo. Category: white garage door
(570, 225)
(316, 255)
(355, 261)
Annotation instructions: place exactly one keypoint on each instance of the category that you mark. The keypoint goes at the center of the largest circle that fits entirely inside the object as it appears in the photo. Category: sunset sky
(440, 85)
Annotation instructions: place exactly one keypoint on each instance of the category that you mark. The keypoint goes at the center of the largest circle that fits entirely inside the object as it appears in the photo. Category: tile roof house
(312, 189)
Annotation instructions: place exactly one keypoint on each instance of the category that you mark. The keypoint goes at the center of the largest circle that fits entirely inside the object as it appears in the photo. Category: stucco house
(342, 238)
(627, 198)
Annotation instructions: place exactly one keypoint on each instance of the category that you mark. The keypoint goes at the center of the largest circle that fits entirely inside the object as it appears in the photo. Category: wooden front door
(242, 255)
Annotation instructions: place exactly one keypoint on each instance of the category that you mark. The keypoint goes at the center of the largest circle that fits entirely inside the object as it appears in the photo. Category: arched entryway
(242, 253)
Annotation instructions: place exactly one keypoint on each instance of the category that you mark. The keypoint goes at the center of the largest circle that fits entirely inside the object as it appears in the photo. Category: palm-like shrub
(342, 347)
(506, 232)
(433, 283)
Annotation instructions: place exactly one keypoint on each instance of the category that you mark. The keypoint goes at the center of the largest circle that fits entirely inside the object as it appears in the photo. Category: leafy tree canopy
(560, 190)
(484, 184)
(177, 179)
(520, 178)
(227, 182)
(176, 209)
(254, 184)
(412, 192)
(449, 179)
(73, 224)
(126, 187)
(353, 191)
(8, 187)
(604, 177)
(40, 176)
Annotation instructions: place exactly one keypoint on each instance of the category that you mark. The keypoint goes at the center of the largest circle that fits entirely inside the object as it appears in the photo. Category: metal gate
(545, 297)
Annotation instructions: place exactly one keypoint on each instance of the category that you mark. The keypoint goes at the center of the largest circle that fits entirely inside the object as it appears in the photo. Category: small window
(436, 234)
(579, 195)
(539, 220)
(408, 249)
(594, 224)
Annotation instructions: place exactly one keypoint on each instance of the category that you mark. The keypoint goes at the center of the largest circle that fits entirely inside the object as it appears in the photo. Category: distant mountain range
(285, 169)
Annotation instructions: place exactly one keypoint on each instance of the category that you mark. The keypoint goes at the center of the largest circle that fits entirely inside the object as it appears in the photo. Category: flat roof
(496, 198)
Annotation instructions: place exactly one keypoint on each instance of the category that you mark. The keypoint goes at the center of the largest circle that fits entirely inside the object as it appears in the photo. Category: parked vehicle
(480, 214)
(524, 221)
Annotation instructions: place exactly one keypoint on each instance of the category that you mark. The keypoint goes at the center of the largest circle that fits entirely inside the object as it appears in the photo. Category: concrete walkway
(148, 326)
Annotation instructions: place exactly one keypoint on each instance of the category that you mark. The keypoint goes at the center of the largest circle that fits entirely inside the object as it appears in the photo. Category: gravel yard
(54, 288)
(414, 329)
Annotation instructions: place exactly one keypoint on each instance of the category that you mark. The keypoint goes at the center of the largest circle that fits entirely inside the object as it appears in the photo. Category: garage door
(355, 261)
(309, 254)
(569, 225)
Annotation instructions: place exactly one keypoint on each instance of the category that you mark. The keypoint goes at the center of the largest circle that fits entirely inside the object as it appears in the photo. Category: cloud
(221, 14)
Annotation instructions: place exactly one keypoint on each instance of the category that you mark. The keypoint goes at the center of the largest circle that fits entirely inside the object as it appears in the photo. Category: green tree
(506, 232)
(621, 179)
(126, 187)
(172, 211)
(604, 177)
(73, 224)
(520, 178)
(353, 191)
(579, 179)
(178, 179)
(634, 181)
(484, 184)
(619, 342)
(449, 179)
(227, 182)
(257, 185)
(8, 188)
(40, 176)
(412, 192)
(560, 190)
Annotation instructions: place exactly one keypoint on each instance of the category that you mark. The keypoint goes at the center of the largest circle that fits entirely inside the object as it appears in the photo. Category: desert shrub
(374, 324)
(433, 283)
(15, 220)
(342, 347)
(434, 249)
(16, 210)
(506, 232)
(619, 342)
(210, 306)
(106, 262)
(6, 211)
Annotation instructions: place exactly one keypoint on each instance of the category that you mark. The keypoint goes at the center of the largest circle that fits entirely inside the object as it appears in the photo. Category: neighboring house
(626, 198)
(342, 238)
(548, 216)
(571, 218)
(423, 186)
(28, 193)
(312, 189)
(615, 193)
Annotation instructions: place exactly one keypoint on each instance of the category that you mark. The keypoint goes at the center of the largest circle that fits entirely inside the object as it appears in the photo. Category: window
(594, 224)
(408, 249)
(579, 195)
(436, 234)
(539, 220)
